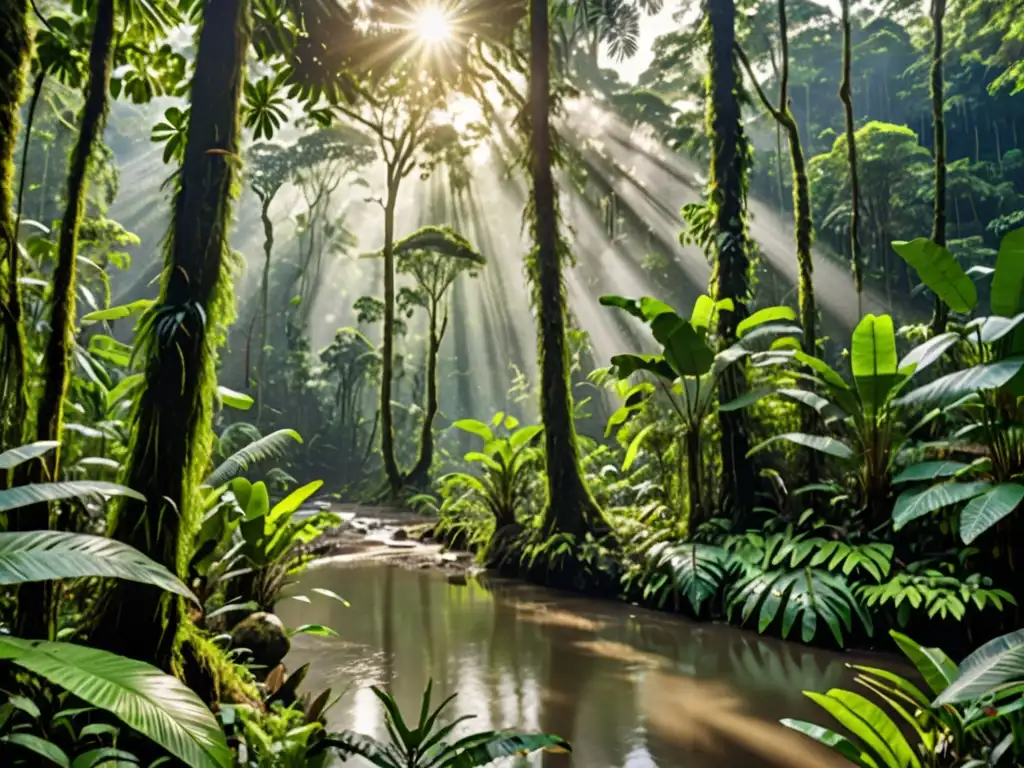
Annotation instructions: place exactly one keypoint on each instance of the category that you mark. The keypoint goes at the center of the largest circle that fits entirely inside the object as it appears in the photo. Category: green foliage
(910, 729)
(504, 461)
(147, 700)
(926, 591)
(426, 744)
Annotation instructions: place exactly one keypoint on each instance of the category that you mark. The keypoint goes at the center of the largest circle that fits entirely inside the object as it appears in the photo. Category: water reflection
(630, 688)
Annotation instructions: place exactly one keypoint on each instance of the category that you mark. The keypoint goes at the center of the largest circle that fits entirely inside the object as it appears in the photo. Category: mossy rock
(265, 637)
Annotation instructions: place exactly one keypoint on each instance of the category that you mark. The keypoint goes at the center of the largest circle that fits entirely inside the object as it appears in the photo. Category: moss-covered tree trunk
(172, 435)
(16, 48)
(420, 473)
(938, 13)
(731, 276)
(35, 604)
(387, 424)
(570, 507)
(846, 96)
(804, 237)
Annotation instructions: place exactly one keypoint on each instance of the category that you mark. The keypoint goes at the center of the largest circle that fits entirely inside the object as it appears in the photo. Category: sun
(432, 25)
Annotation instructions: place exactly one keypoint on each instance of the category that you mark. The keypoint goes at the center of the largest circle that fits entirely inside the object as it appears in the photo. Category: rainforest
(448, 383)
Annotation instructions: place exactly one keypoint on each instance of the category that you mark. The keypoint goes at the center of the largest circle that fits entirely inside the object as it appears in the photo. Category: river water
(630, 688)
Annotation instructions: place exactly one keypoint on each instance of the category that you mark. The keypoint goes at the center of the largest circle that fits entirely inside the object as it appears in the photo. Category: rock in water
(265, 637)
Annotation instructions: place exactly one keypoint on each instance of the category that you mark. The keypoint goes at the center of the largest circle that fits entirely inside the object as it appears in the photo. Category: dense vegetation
(762, 457)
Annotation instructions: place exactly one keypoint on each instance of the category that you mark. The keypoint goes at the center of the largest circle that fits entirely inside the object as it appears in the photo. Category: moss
(209, 671)
(732, 269)
(16, 44)
(172, 425)
(570, 507)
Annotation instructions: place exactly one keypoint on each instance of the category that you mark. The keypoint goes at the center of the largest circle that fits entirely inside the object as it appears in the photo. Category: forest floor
(388, 534)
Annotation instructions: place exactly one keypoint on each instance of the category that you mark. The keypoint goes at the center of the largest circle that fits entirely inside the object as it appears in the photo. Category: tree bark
(172, 435)
(420, 474)
(387, 426)
(846, 96)
(35, 614)
(268, 247)
(731, 277)
(938, 12)
(570, 507)
(16, 44)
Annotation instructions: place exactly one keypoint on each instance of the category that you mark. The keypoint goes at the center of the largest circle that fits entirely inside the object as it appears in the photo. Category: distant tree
(433, 257)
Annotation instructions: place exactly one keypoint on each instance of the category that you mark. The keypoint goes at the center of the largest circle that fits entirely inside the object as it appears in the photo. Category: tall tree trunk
(420, 474)
(268, 247)
(804, 238)
(16, 47)
(846, 96)
(570, 507)
(172, 435)
(35, 617)
(731, 278)
(939, 312)
(387, 425)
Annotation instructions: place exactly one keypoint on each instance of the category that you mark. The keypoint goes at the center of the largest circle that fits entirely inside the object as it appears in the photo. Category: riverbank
(389, 535)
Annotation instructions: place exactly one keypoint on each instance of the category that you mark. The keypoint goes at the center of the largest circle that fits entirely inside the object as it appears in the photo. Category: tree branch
(742, 56)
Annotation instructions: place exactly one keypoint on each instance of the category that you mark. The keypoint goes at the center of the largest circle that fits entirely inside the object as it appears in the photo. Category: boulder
(400, 534)
(265, 637)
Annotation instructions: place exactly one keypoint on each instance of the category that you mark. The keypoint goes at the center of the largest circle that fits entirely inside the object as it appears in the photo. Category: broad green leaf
(317, 630)
(627, 365)
(266, 447)
(259, 502)
(992, 329)
(146, 699)
(940, 271)
(881, 723)
(954, 386)
(485, 748)
(332, 594)
(828, 445)
(873, 360)
(632, 306)
(484, 459)
(703, 312)
(26, 495)
(994, 664)
(634, 447)
(746, 399)
(524, 435)
(110, 349)
(830, 739)
(294, 500)
(937, 669)
(986, 510)
(1007, 297)
(47, 750)
(685, 349)
(47, 555)
(914, 504)
(119, 312)
(15, 456)
(857, 722)
(923, 355)
(762, 316)
(474, 427)
(929, 470)
(124, 387)
(234, 399)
